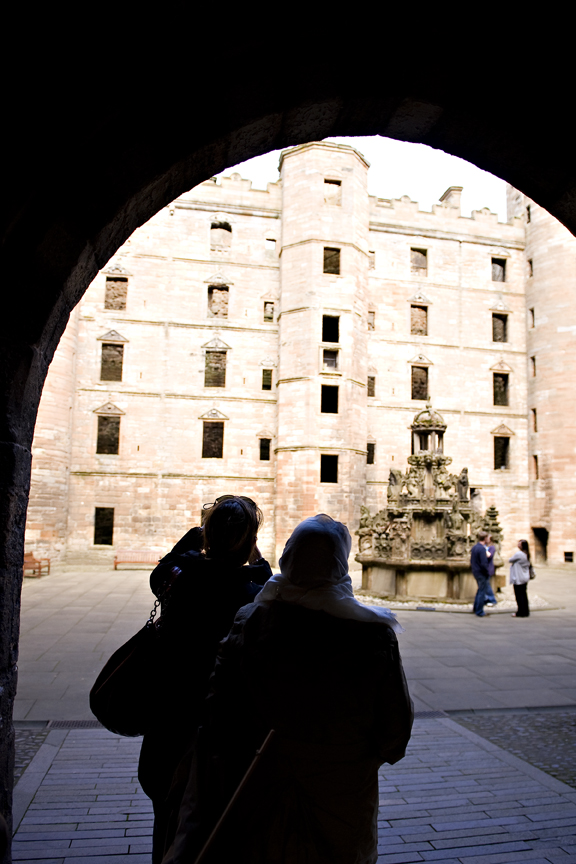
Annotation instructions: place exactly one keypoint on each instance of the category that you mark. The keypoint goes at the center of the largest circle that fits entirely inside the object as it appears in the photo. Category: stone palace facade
(278, 344)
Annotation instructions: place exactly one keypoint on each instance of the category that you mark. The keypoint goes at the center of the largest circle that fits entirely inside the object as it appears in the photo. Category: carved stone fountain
(419, 546)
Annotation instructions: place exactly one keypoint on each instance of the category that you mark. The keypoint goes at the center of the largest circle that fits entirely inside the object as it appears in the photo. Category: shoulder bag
(122, 697)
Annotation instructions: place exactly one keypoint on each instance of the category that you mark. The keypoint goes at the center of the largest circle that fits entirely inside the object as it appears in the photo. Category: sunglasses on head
(226, 498)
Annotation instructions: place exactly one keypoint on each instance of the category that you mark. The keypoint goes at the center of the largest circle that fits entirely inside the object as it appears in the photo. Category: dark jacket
(335, 693)
(479, 561)
(196, 615)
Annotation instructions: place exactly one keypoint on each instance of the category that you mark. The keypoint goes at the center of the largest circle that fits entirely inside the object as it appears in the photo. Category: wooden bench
(135, 556)
(33, 566)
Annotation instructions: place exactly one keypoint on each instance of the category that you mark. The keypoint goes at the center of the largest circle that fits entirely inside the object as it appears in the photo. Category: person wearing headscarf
(324, 672)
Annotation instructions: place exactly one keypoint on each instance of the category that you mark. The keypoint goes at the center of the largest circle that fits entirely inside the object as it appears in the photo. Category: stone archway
(103, 169)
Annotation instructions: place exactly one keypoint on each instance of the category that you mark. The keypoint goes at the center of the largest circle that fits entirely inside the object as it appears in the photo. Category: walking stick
(204, 852)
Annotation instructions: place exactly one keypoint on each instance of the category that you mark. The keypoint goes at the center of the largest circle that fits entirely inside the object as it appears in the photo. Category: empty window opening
(268, 310)
(371, 320)
(329, 402)
(267, 379)
(328, 468)
(528, 214)
(371, 387)
(499, 328)
(569, 557)
(501, 388)
(270, 244)
(329, 359)
(333, 191)
(212, 439)
(116, 292)
(530, 267)
(215, 369)
(534, 420)
(332, 261)
(420, 382)
(265, 449)
(330, 328)
(419, 320)
(370, 453)
(371, 260)
(108, 440)
(535, 467)
(111, 363)
(540, 543)
(220, 235)
(531, 318)
(218, 301)
(498, 269)
(103, 526)
(533, 366)
(501, 452)
(419, 261)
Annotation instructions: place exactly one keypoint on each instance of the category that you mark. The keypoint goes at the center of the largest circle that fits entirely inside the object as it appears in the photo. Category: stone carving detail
(433, 551)
(430, 515)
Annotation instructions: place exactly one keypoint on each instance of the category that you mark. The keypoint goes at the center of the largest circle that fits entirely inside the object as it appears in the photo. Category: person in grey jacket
(519, 578)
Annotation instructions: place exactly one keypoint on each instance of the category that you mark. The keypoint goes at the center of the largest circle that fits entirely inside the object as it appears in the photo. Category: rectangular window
(328, 468)
(533, 366)
(215, 369)
(212, 439)
(371, 320)
(329, 403)
(420, 382)
(329, 359)
(569, 557)
(371, 260)
(528, 213)
(531, 318)
(267, 379)
(116, 292)
(111, 362)
(265, 449)
(535, 464)
(268, 310)
(332, 261)
(499, 328)
(498, 269)
(103, 526)
(501, 388)
(218, 301)
(534, 420)
(419, 320)
(371, 385)
(530, 267)
(108, 440)
(333, 191)
(370, 453)
(220, 235)
(330, 328)
(419, 262)
(501, 452)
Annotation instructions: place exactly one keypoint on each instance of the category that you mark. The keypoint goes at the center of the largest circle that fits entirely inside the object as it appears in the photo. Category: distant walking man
(479, 565)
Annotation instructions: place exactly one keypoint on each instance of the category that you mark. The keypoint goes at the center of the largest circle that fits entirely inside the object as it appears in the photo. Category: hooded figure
(324, 672)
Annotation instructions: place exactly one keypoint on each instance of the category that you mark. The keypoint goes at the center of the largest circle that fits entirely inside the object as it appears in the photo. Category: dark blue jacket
(479, 561)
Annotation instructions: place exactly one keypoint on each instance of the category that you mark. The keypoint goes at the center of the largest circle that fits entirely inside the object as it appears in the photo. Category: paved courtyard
(457, 797)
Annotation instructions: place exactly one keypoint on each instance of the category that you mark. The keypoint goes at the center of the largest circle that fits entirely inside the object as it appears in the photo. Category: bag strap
(163, 598)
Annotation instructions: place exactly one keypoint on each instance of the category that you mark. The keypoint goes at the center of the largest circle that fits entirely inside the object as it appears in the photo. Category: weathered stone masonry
(305, 323)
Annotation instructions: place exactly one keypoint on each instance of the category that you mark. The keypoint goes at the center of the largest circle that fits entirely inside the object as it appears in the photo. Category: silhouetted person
(324, 671)
(479, 565)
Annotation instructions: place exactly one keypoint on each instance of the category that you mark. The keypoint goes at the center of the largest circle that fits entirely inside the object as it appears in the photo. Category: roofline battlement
(326, 145)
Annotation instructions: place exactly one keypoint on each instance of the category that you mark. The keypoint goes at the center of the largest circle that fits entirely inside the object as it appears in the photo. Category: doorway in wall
(540, 544)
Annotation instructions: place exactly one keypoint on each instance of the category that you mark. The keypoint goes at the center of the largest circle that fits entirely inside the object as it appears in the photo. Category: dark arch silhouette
(92, 152)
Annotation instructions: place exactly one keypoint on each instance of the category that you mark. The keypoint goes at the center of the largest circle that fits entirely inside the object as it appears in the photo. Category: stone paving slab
(456, 799)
